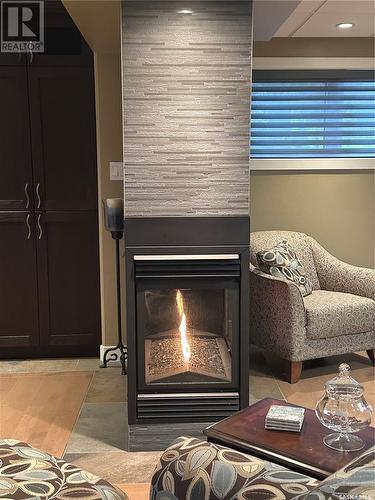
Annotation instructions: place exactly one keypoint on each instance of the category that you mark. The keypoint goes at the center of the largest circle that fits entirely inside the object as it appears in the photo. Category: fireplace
(187, 321)
(186, 122)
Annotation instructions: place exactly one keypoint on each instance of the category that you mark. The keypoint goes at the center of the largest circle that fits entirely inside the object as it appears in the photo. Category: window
(313, 114)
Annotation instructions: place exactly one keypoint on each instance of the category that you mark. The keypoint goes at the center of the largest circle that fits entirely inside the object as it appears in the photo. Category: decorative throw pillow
(282, 262)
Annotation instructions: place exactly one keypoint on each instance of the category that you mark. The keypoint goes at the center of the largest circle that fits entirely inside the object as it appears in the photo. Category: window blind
(324, 118)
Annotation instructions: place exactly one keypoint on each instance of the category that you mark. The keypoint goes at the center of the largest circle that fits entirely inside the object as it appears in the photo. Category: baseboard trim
(117, 353)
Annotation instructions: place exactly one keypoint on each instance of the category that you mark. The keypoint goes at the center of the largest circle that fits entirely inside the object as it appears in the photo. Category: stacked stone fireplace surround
(186, 119)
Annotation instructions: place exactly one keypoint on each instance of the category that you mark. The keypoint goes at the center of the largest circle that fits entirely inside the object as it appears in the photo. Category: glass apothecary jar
(344, 409)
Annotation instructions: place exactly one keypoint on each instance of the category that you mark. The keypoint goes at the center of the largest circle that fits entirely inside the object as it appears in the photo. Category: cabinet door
(15, 149)
(62, 111)
(63, 43)
(68, 273)
(18, 281)
(12, 59)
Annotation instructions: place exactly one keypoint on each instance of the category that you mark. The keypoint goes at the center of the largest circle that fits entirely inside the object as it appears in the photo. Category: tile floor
(97, 439)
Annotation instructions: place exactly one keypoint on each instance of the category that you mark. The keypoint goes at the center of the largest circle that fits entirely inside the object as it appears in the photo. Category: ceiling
(315, 18)
(269, 15)
(99, 20)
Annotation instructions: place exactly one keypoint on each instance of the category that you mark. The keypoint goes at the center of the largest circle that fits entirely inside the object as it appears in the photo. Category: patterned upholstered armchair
(338, 317)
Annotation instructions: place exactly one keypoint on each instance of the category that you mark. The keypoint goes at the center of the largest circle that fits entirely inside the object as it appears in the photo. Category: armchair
(338, 317)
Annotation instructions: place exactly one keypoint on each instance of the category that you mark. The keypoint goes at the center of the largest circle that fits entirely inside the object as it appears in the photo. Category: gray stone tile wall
(186, 107)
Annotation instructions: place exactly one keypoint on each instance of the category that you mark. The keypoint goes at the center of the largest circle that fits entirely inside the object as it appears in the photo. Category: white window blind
(312, 116)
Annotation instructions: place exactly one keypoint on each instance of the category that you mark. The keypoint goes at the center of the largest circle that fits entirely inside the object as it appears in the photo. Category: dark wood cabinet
(18, 281)
(49, 283)
(62, 117)
(12, 59)
(67, 249)
(16, 191)
(63, 44)
(49, 262)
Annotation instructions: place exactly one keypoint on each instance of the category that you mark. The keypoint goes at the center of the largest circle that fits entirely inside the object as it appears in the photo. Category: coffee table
(303, 452)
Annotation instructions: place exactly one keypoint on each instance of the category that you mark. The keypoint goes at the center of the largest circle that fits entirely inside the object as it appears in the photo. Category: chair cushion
(192, 469)
(26, 473)
(332, 314)
(282, 262)
(301, 244)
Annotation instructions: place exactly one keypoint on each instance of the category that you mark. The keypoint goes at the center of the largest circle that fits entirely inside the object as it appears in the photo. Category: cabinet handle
(27, 195)
(28, 226)
(31, 56)
(40, 228)
(38, 195)
(19, 56)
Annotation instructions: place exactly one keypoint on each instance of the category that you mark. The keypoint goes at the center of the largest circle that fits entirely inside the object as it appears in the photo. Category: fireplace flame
(183, 328)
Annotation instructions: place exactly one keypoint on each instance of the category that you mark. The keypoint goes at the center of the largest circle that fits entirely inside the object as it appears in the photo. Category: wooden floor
(136, 491)
(41, 408)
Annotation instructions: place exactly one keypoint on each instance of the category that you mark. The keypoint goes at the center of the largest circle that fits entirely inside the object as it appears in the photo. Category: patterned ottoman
(191, 469)
(28, 473)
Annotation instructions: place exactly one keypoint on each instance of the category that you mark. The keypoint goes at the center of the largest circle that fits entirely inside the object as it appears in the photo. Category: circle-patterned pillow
(282, 262)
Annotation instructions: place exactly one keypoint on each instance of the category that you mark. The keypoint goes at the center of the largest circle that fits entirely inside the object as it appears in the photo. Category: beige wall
(316, 47)
(99, 22)
(109, 140)
(337, 209)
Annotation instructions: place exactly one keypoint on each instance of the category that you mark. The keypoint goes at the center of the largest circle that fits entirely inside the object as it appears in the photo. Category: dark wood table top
(301, 451)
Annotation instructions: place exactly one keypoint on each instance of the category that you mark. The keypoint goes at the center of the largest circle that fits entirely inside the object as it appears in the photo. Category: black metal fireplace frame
(195, 282)
(186, 236)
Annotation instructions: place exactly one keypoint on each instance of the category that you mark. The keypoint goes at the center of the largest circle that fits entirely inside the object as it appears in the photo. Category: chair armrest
(277, 315)
(339, 276)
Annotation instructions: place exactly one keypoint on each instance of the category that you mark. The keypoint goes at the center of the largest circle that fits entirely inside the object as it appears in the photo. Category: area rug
(41, 409)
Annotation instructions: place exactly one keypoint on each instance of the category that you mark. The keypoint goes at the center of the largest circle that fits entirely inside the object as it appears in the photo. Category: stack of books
(285, 418)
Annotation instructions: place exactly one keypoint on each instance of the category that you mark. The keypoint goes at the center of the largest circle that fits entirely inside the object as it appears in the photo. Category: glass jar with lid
(344, 409)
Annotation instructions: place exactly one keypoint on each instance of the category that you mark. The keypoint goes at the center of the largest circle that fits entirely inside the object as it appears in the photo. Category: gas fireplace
(187, 322)
(187, 299)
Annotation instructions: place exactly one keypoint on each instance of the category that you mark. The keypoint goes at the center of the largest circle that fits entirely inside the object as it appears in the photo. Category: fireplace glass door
(187, 327)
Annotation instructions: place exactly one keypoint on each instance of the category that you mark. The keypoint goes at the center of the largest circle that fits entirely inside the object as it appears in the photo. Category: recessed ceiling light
(185, 11)
(345, 26)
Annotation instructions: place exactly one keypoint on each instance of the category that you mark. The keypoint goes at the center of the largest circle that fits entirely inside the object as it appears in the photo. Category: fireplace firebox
(187, 321)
